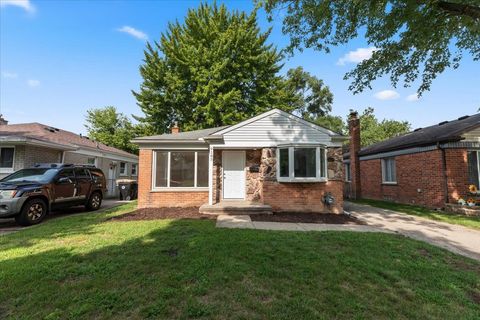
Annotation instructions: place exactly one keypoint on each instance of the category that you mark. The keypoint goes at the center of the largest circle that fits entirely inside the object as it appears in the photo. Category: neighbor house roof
(59, 138)
(443, 132)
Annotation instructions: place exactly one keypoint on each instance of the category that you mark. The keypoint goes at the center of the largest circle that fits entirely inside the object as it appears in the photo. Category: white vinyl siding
(472, 136)
(273, 130)
(389, 171)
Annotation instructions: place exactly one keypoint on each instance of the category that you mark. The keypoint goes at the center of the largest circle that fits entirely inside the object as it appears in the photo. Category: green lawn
(86, 267)
(467, 221)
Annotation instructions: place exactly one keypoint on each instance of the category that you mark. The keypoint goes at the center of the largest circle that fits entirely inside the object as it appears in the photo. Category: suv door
(65, 190)
(84, 183)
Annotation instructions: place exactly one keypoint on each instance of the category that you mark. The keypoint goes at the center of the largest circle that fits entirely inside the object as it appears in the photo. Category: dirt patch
(307, 217)
(475, 296)
(163, 213)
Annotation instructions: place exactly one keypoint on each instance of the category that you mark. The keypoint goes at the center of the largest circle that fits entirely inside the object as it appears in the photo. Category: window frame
(12, 168)
(291, 164)
(123, 173)
(134, 165)
(478, 165)
(348, 172)
(168, 187)
(384, 171)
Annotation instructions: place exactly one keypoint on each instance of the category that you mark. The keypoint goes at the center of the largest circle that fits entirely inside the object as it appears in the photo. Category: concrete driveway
(9, 225)
(458, 239)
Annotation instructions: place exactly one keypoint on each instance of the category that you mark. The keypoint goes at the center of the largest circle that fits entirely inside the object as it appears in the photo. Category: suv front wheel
(33, 212)
(94, 202)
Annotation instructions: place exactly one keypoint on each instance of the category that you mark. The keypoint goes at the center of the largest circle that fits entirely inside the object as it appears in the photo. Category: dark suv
(29, 194)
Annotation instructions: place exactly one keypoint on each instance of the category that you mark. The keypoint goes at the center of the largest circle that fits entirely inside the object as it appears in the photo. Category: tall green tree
(113, 128)
(373, 130)
(308, 95)
(413, 39)
(216, 68)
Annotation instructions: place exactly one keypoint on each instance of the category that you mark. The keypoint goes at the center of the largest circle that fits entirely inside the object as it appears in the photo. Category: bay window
(302, 164)
(180, 169)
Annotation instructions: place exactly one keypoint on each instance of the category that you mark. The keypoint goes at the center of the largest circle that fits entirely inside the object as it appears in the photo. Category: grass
(466, 221)
(83, 267)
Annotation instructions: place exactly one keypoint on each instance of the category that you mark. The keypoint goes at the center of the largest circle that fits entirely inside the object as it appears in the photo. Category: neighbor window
(6, 158)
(348, 173)
(473, 168)
(123, 168)
(134, 169)
(181, 169)
(389, 173)
(302, 164)
(91, 161)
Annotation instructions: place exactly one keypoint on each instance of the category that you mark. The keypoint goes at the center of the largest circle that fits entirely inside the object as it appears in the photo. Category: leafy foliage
(413, 38)
(108, 126)
(334, 123)
(372, 130)
(217, 69)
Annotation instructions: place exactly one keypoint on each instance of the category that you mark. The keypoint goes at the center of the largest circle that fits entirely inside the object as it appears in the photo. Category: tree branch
(460, 9)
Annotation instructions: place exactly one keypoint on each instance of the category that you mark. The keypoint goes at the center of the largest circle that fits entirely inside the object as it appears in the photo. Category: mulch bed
(307, 217)
(163, 213)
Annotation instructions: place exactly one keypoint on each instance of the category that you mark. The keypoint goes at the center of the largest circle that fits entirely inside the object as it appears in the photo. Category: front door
(233, 174)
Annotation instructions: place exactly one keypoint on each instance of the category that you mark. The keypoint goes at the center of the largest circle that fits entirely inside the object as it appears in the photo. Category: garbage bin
(128, 189)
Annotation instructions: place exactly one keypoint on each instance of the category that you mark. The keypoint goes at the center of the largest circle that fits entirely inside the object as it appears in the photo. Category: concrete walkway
(455, 238)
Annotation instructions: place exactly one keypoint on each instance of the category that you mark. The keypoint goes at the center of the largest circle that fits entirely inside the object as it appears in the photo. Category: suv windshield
(42, 175)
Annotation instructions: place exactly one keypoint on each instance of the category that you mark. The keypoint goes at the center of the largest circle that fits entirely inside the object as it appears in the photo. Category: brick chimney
(354, 130)
(3, 122)
(175, 129)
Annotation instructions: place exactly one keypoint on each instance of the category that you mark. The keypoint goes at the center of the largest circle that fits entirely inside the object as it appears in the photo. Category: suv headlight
(7, 194)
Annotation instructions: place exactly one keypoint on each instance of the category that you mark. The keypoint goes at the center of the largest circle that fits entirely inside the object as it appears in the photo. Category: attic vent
(463, 118)
(418, 129)
(442, 123)
(51, 129)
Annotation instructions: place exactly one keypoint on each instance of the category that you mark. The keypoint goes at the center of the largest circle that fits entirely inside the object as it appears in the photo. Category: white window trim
(125, 171)
(384, 171)
(12, 168)
(175, 189)
(136, 170)
(291, 165)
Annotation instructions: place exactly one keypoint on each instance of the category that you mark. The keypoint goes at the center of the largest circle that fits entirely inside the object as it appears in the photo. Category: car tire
(94, 202)
(33, 212)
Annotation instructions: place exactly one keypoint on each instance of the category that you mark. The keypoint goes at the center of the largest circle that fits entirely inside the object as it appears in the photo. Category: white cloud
(356, 56)
(133, 32)
(412, 97)
(33, 83)
(9, 75)
(387, 95)
(24, 4)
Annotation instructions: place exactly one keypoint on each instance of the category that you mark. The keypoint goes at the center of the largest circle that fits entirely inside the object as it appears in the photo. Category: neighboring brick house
(23, 145)
(430, 166)
(275, 159)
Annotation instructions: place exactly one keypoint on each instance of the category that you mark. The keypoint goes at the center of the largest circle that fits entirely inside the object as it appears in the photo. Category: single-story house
(275, 160)
(23, 145)
(429, 166)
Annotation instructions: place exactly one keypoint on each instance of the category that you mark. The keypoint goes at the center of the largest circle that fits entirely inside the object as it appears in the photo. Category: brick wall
(420, 178)
(150, 199)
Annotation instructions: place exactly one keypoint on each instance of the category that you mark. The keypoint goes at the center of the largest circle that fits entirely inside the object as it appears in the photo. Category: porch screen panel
(161, 174)
(202, 169)
(182, 169)
(472, 159)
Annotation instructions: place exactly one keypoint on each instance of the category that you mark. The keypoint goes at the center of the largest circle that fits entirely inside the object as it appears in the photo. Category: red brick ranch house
(274, 161)
(430, 166)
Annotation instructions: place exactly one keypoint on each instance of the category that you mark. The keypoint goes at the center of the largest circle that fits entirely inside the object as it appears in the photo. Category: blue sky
(60, 58)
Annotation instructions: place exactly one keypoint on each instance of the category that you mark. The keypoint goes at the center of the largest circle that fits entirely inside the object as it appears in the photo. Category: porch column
(210, 175)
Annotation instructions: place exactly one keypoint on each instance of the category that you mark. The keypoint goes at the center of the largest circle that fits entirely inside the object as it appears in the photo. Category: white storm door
(233, 174)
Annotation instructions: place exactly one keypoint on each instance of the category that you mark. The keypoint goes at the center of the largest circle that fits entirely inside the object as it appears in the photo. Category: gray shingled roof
(447, 131)
(188, 135)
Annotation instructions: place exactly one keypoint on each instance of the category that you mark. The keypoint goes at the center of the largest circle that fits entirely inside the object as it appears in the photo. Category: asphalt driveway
(455, 238)
(9, 225)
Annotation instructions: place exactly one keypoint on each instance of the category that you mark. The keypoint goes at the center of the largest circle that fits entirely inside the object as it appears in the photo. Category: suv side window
(67, 173)
(82, 174)
(97, 176)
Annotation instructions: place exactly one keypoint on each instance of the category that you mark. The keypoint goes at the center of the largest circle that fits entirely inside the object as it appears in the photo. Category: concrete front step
(236, 208)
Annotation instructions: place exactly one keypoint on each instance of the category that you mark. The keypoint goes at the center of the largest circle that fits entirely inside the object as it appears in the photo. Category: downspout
(444, 169)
